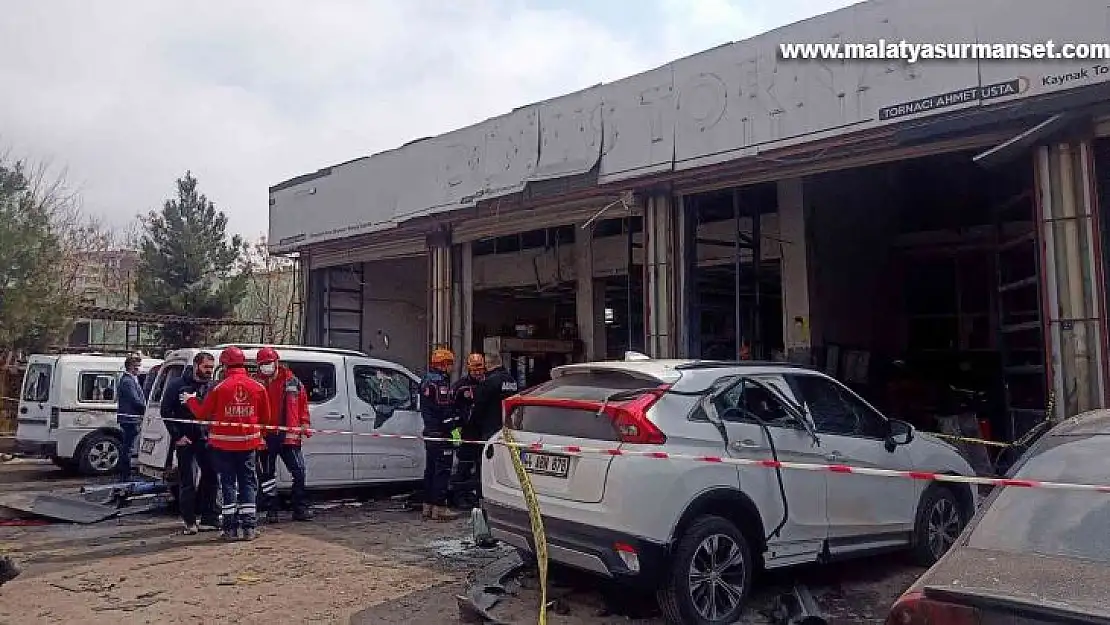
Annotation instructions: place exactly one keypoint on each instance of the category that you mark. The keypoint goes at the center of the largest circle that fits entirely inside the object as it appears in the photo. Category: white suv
(697, 531)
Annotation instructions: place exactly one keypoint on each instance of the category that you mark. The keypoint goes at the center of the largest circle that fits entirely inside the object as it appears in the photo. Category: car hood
(1067, 583)
(936, 454)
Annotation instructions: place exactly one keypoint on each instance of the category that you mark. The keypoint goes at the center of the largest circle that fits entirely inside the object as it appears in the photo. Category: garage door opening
(735, 302)
(925, 291)
(524, 300)
(526, 295)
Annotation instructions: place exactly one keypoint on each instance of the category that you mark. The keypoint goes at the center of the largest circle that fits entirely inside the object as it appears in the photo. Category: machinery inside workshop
(526, 291)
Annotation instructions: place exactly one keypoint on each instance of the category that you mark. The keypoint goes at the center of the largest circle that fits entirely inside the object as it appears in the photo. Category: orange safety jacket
(235, 407)
(288, 407)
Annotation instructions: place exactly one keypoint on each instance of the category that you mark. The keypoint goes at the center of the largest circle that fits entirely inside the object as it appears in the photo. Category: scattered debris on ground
(369, 560)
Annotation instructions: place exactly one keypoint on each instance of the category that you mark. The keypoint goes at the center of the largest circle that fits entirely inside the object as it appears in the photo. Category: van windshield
(36, 383)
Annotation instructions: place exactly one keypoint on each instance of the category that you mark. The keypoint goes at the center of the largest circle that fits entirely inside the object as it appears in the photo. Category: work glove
(456, 436)
(306, 432)
(185, 397)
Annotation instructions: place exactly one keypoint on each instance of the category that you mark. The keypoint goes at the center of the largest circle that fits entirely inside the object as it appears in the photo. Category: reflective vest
(234, 407)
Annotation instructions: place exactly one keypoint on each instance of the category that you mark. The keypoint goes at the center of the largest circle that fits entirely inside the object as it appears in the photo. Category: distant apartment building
(106, 279)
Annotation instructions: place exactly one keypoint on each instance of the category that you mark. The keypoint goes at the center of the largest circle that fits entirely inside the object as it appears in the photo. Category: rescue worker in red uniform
(290, 422)
(234, 408)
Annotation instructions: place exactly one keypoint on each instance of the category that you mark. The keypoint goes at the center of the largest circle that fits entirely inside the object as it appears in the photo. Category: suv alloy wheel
(710, 576)
(939, 523)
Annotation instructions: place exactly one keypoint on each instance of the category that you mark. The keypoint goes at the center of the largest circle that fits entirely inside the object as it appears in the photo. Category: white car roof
(90, 360)
(670, 370)
(291, 352)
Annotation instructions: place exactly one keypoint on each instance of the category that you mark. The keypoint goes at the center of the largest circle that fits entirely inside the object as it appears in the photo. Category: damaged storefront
(933, 236)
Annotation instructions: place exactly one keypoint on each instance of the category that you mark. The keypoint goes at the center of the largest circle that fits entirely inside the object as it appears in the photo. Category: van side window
(166, 374)
(318, 379)
(377, 386)
(36, 383)
(96, 387)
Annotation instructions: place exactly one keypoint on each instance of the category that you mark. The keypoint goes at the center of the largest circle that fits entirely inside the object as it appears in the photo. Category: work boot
(427, 511)
(228, 536)
(190, 530)
(303, 515)
(249, 534)
(443, 513)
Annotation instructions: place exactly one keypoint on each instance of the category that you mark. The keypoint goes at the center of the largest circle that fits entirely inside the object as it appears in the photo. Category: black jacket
(498, 386)
(436, 405)
(172, 408)
(462, 394)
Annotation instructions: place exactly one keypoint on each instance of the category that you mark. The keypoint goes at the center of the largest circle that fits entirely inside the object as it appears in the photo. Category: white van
(347, 391)
(67, 410)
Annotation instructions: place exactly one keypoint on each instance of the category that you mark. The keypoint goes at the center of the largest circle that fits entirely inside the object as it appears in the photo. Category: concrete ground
(362, 562)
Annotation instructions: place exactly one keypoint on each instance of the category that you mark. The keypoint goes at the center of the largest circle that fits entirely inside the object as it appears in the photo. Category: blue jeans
(130, 427)
(293, 460)
(239, 485)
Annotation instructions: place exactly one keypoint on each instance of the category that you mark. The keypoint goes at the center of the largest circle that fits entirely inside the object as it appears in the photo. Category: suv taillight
(54, 412)
(915, 609)
(630, 419)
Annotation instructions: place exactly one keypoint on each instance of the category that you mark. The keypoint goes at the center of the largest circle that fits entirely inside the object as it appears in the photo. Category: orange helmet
(475, 364)
(442, 358)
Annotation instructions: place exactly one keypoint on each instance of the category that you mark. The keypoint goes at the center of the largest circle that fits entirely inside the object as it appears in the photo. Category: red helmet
(267, 355)
(233, 357)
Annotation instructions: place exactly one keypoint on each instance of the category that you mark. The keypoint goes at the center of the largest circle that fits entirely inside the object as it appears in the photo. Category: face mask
(267, 369)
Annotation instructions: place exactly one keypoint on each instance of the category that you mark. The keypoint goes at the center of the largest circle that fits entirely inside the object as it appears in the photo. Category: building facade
(106, 279)
(903, 226)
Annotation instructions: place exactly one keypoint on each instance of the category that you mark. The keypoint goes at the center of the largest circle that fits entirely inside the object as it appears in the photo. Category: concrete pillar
(600, 340)
(466, 298)
(439, 289)
(686, 253)
(1073, 292)
(795, 272)
(584, 300)
(660, 286)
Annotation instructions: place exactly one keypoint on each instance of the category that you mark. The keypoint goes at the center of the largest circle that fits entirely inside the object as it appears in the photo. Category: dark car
(1031, 555)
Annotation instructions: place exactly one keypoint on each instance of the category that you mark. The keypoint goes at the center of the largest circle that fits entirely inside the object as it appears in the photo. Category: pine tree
(188, 265)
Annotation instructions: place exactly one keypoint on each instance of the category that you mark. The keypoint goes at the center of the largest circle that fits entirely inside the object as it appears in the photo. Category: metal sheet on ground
(70, 508)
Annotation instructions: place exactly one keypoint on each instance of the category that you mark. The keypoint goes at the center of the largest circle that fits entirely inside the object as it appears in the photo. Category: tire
(940, 520)
(681, 602)
(99, 454)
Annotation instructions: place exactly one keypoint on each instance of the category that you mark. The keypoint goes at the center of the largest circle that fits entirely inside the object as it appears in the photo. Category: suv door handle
(747, 443)
(834, 456)
(363, 417)
(334, 416)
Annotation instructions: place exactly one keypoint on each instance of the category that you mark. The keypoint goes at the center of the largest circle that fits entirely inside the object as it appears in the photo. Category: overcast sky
(128, 94)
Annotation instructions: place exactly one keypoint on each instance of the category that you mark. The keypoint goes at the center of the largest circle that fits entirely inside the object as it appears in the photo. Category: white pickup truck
(347, 391)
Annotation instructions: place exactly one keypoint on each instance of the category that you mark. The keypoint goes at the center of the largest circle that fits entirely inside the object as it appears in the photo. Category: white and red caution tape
(577, 450)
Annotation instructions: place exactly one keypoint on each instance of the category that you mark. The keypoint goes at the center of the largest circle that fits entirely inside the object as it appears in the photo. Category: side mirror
(898, 433)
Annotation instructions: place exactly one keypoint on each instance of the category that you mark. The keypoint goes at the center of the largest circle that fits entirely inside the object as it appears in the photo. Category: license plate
(545, 464)
(148, 445)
